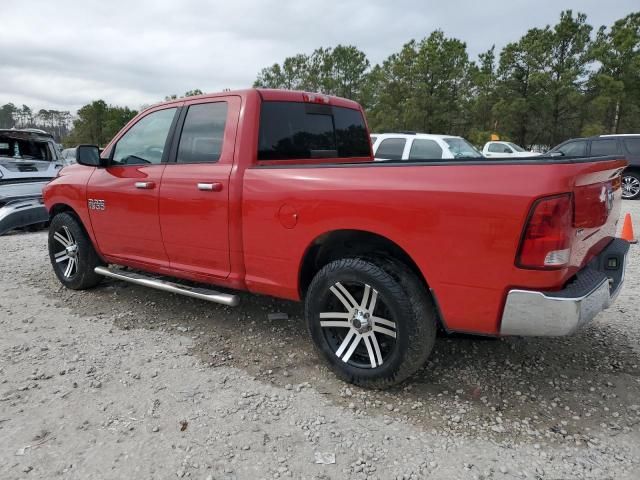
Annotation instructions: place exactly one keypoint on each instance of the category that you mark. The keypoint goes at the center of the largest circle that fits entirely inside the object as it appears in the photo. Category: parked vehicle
(69, 156)
(620, 145)
(276, 192)
(421, 146)
(505, 149)
(28, 160)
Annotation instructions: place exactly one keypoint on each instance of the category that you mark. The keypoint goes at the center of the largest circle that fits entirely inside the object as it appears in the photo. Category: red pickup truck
(277, 193)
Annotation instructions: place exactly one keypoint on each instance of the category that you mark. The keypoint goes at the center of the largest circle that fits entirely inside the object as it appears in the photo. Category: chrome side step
(147, 281)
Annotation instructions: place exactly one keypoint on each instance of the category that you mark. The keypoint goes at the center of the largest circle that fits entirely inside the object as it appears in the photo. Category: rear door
(194, 194)
(123, 198)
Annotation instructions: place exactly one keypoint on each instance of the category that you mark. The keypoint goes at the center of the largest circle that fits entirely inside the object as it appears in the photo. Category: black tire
(402, 300)
(630, 185)
(69, 242)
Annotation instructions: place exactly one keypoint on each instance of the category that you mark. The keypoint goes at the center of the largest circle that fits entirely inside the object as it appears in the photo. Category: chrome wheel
(630, 186)
(66, 255)
(360, 333)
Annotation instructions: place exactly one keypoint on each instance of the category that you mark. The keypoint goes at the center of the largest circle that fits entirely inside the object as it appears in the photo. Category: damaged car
(29, 159)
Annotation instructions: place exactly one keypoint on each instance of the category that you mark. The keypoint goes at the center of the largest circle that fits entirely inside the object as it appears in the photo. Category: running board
(147, 281)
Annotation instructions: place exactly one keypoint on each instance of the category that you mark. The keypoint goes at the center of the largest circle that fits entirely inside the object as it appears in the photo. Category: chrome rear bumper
(595, 287)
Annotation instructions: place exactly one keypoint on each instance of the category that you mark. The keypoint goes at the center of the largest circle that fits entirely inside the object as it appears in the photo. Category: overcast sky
(62, 54)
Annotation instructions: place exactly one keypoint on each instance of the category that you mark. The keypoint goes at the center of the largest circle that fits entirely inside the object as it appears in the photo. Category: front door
(123, 197)
(194, 194)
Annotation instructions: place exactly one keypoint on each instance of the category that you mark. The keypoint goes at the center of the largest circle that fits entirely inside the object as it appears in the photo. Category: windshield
(517, 148)
(25, 148)
(460, 148)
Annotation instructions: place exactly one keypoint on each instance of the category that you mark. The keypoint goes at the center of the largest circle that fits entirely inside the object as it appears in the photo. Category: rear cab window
(306, 131)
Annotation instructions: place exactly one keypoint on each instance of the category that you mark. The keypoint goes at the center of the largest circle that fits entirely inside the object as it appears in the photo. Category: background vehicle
(421, 146)
(28, 160)
(505, 149)
(69, 156)
(276, 192)
(627, 145)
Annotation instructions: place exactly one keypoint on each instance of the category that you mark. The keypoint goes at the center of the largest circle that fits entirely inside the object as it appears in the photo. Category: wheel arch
(59, 208)
(350, 243)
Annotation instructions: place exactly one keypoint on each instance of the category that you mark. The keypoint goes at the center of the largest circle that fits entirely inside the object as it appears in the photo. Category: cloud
(64, 54)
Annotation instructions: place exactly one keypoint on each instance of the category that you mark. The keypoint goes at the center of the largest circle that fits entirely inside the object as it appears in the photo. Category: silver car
(29, 159)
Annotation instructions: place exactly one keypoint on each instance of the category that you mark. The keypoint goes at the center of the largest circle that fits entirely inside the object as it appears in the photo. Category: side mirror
(507, 150)
(88, 155)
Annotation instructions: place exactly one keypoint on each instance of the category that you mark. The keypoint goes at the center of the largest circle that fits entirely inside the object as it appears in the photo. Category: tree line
(556, 82)
(95, 123)
(56, 122)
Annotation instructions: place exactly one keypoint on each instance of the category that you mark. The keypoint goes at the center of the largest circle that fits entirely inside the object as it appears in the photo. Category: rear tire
(371, 320)
(72, 254)
(630, 185)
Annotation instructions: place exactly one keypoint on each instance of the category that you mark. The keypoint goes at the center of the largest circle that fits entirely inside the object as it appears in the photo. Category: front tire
(72, 254)
(630, 185)
(371, 320)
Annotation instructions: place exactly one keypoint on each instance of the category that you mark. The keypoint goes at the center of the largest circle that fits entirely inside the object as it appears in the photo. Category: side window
(373, 139)
(496, 148)
(202, 133)
(391, 148)
(425, 149)
(604, 147)
(574, 149)
(633, 145)
(144, 142)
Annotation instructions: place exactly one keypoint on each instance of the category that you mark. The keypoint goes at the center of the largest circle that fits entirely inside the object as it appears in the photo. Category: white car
(505, 149)
(420, 146)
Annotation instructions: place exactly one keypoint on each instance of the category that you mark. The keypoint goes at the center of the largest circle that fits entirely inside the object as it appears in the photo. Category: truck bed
(461, 222)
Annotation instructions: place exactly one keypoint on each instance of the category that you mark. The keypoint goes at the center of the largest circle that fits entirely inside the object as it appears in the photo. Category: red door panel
(128, 227)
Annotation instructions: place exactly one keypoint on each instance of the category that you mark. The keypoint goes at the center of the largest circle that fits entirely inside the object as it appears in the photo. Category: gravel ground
(127, 382)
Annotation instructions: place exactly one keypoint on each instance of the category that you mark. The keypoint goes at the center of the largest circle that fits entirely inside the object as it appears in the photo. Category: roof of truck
(269, 95)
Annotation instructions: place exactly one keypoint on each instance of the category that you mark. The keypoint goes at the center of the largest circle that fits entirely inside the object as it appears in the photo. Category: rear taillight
(546, 243)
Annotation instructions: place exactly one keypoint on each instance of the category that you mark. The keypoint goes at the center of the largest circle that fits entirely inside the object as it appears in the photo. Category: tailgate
(597, 197)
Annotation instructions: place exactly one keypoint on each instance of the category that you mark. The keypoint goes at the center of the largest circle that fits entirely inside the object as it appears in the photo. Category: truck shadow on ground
(541, 387)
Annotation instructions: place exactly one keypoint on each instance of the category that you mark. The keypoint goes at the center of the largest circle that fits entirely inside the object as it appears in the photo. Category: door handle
(145, 185)
(210, 187)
